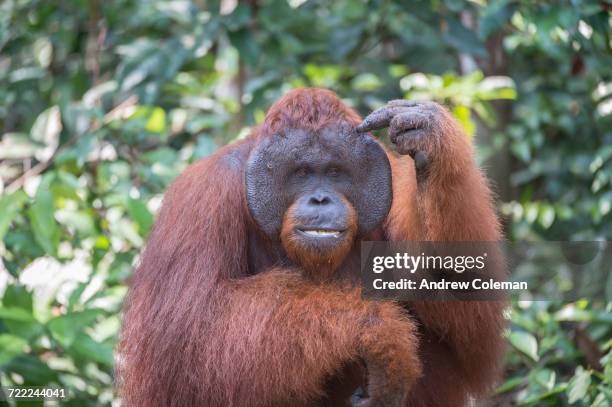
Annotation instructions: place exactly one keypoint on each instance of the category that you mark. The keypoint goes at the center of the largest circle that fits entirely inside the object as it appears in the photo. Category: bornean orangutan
(244, 296)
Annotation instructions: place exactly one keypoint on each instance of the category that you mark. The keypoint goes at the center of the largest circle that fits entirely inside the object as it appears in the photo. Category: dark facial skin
(319, 188)
(321, 215)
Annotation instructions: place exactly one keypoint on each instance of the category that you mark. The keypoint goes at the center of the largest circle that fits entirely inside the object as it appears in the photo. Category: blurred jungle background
(103, 103)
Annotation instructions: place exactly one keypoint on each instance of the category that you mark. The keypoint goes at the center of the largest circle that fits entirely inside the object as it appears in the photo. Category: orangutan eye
(333, 171)
(302, 172)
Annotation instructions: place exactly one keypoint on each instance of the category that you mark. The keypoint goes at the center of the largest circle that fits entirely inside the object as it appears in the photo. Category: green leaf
(238, 18)
(17, 296)
(205, 146)
(606, 391)
(156, 122)
(140, 214)
(600, 400)
(81, 221)
(33, 371)
(526, 343)
(246, 45)
(464, 116)
(41, 215)
(9, 208)
(546, 216)
(495, 15)
(463, 39)
(17, 146)
(344, 40)
(65, 328)
(16, 314)
(87, 348)
(545, 378)
(509, 384)
(578, 386)
(323, 75)
(10, 346)
(522, 150)
(46, 130)
(367, 82)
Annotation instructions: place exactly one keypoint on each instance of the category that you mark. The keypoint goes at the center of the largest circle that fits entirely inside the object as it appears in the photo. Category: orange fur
(315, 262)
(307, 108)
(462, 340)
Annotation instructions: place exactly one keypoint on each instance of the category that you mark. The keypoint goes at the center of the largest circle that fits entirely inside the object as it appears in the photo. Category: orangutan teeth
(321, 233)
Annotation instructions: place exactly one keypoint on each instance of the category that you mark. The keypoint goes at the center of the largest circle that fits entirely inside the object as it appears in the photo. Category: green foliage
(102, 104)
(463, 93)
(562, 126)
(563, 355)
